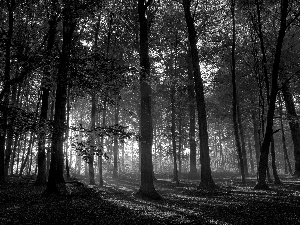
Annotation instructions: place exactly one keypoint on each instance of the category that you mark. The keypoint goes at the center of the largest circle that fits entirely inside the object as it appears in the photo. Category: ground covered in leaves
(232, 203)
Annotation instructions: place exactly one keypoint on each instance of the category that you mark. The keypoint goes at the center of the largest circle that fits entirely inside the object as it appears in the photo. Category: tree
(234, 97)
(10, 6)
(56, 166)
(116, 141)
(192, 114)
(263, 162)
(206, 178)
(146, 131)
(53, 20)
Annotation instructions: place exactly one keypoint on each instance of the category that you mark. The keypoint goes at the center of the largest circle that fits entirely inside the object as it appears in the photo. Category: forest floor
(21, 202)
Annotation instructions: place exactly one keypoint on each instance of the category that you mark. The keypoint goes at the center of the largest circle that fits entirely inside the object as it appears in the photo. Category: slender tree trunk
(251, 156)
(263, 162)
(256, 138)
(102, 144)
(234, 98)
(146, 130)
(274, 167)
(12, 161)
(262, 47)
(294, 125)
(116, 141)
(30, 161)
(19, 151)
(285, 151)
(173, 129)
(242, 138)
(86, 170)
(93, 137)
(206, 178)
(48, 160)
(220, 146)
(78, 165)
(57, 159)
(180, 145)
(93, 115)
(123, 158)
(67, 134)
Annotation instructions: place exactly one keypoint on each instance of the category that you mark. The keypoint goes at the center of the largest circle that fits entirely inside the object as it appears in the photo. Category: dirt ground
(21, 202)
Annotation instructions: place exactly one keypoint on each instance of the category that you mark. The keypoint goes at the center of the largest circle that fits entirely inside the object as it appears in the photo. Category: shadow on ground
(115, 203)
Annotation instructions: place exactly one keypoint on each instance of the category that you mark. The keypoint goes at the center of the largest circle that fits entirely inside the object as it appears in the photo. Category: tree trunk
(242, 137)
(12, 161)
(123, 158)
(293, 123)
(206, 178)
(256, 138)
(234, 98)
(102, 145)
(173, 130)
(274, 168)
(116, 141)
(93, 137)
(220, 146)
(67, 134)
(251, 156)
(30, 144)
(41, 177)
(285, 151)
(48, 160)
(19, 151)
(146, 131)
(180, 145)
(263, 162)
(11, 6)
(57, 159)
(192, 115)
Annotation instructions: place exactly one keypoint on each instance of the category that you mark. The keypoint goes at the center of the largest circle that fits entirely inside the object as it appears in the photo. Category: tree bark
(41, 177)
(192, 116)
(206, 178)
(56, 166)
(263, 162)
(146, 130)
